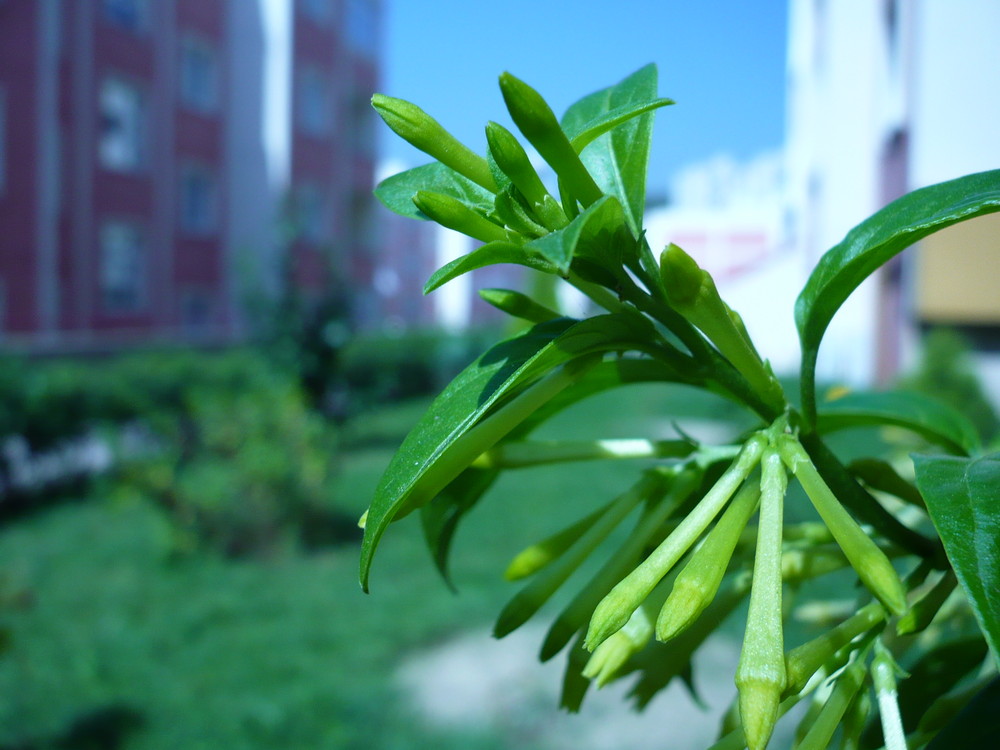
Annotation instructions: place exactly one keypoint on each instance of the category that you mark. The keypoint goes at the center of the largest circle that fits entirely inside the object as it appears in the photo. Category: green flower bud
(513, 161)
(576, 613)
(611, 655)
(421, 130)
(924, 609)
(691, 292)
(698, 583)
(802, 662)
(845, 688)
(870, 563)
(518, 305)
(664, 664)
(529, 599)
(452, 213)
(532, 559)
(508, 211)
(615, 609)
(760, 675)
(884, 671)
(536, 120)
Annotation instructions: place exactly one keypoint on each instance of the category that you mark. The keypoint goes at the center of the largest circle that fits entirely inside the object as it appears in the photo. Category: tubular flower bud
(698, 583)
(802, 662)
(452, 213)
(421, 130)
(529, 599)
(611, 655)
(870, 563)
(513, 161)
(615, 609)
(760, 676)
(532, 559)
(536, 120)
(575, 614)
(923, 611)
(691, 292)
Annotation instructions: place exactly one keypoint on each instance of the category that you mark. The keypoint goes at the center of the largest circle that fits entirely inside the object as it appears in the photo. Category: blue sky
(723, 62)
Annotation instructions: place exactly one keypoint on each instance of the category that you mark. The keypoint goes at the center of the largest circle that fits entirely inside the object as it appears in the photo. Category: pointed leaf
(936, 421)
(976, 726)
(611, 119)
(870, 244)
(961, 497)
(490, 254)
(559, 247)
(500, 373)
(397, 192)
(441, 516)
(618, 158)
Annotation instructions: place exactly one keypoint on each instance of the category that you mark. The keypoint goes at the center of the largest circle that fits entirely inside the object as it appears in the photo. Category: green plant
(928, 555)
(241, 469)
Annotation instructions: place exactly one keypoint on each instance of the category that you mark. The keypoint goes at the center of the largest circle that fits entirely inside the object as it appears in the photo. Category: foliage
(379, 368)
(243, 469)
(258, 653)
(693, 555)
(946, 373)
(231, 448)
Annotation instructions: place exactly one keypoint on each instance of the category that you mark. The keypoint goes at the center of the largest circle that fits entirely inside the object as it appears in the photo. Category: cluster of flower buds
(662, 599)
(694, 553)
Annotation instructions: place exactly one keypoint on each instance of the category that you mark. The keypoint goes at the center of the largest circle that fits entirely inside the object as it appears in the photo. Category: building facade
(135, 196)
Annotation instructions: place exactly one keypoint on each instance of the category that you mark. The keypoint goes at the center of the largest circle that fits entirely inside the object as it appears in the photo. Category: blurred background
(212, 337)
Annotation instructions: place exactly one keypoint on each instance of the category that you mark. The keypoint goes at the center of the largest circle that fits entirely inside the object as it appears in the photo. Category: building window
(122, 146)
(198, 201)
(313, 214)
(317, 10)
(362, 31)
(132, 15)
(197, 310)
(199, 75)
(122, 268)
(314, 108)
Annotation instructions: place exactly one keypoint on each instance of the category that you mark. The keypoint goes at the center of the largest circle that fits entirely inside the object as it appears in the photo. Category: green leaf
(932, 419)
(961, 497)
(397, 192)
(441, 516)
(415, 474)
(561, 246)
(936, 673)
(976, 726)
(618, 158)
(490, 254)
(877, 239)
(607, 121)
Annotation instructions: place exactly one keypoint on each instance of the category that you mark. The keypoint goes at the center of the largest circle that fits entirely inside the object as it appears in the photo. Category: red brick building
(134, 189)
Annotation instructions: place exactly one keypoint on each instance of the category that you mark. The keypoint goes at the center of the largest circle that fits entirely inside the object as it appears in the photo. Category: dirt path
(477, 683)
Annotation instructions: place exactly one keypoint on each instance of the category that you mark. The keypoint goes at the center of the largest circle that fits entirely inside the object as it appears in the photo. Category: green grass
(284, 652)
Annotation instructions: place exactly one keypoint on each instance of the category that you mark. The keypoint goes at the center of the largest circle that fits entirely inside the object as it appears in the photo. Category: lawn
(107, 627)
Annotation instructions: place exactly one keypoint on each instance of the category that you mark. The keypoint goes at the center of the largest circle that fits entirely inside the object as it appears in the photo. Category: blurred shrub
(232, 450)
(242, 469)
(946, 372)
(390, 367)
